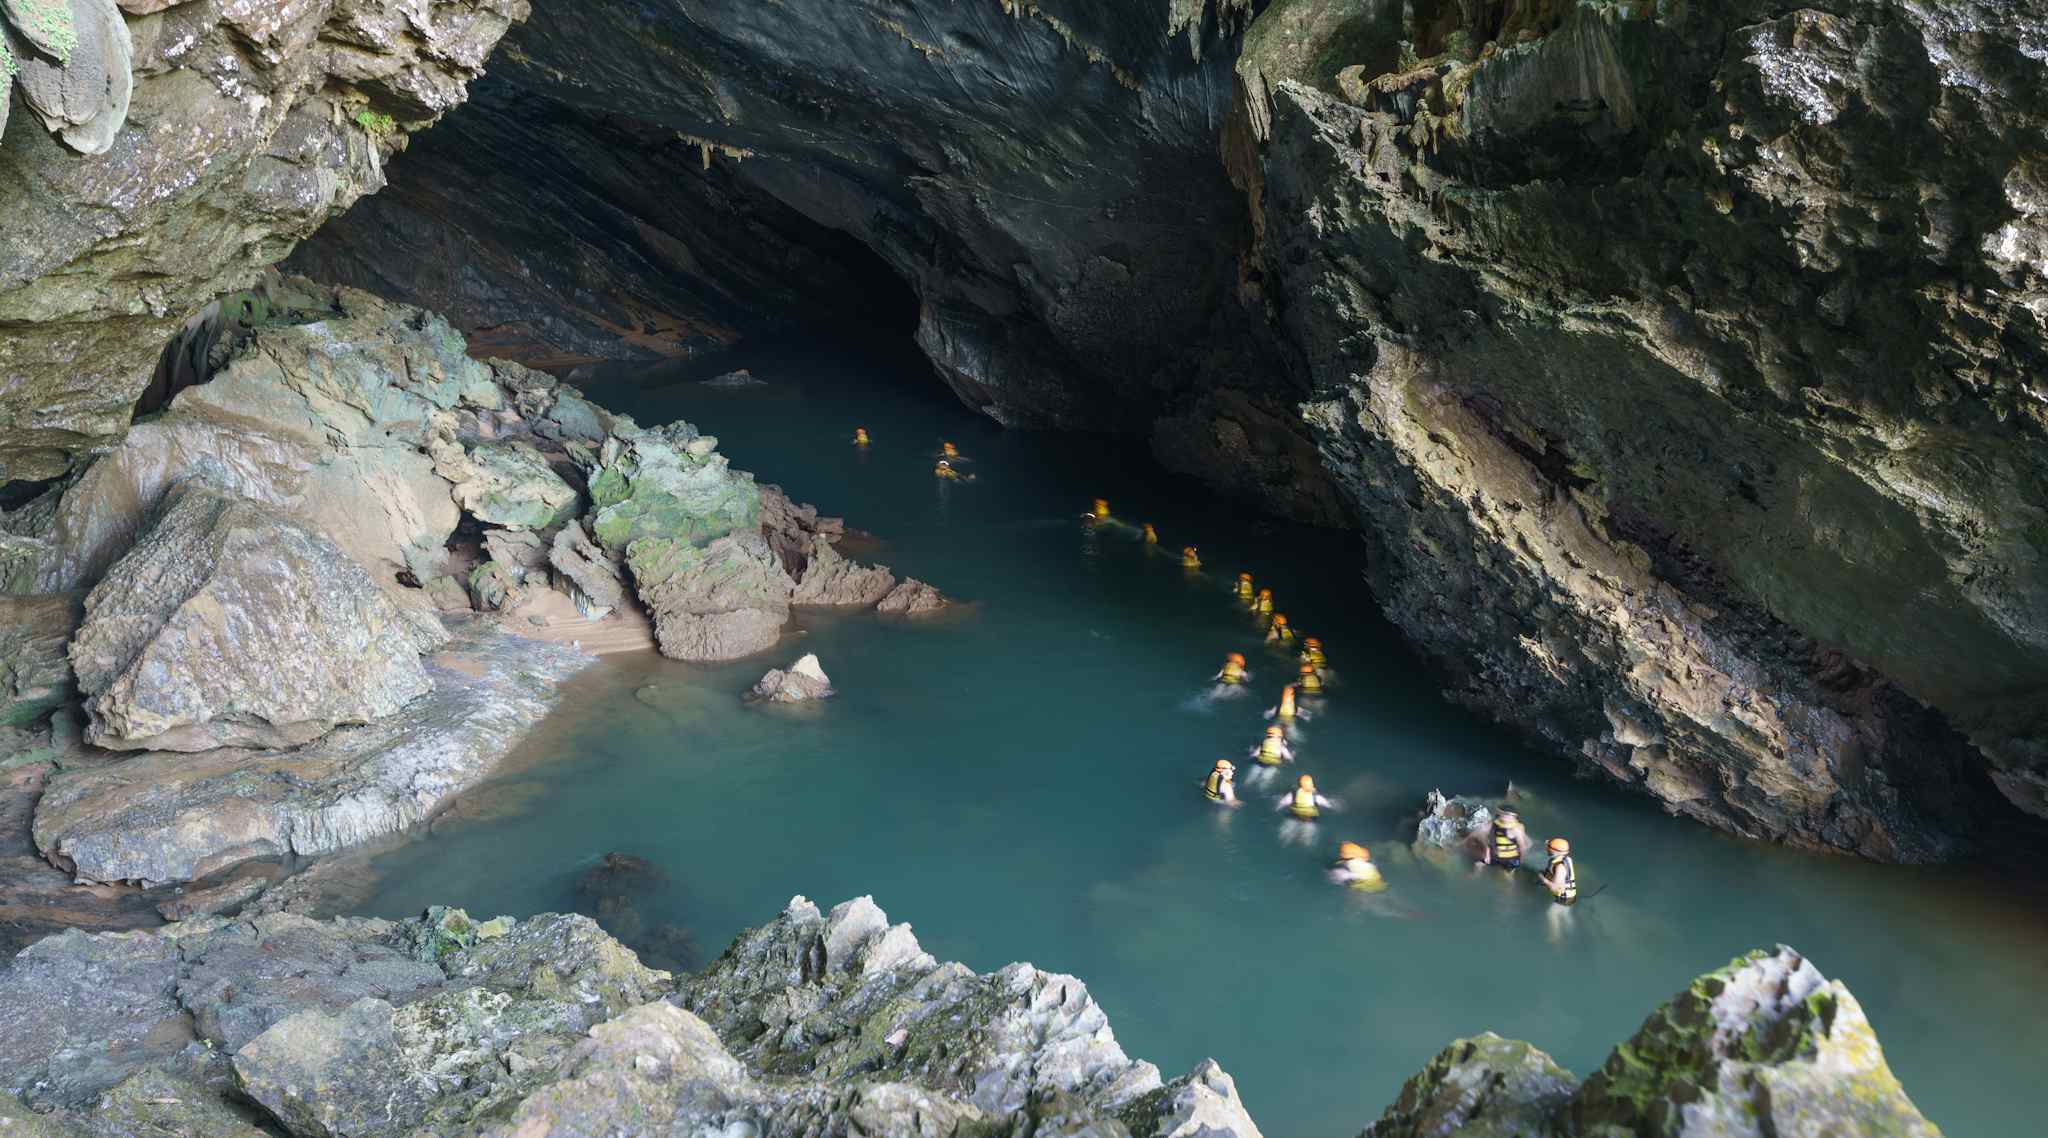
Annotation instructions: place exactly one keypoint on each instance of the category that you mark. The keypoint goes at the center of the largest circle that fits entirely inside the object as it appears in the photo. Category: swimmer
(1354, 869)
(1311, 682)
(1303, 803)
(946, 472)
(1273, 750)
(1189, 558)
(1232, 671)
(1151, 535)
(1244, 586)
(1561, 877)
(1312, 654)
(1507, 842)
(1100, 511)
(1279, 632)
(1263, 603)
(860, 436)
(1286, 712)
(1220, 786)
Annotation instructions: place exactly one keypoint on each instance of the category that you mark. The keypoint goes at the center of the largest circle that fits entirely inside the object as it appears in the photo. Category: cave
(456, 451)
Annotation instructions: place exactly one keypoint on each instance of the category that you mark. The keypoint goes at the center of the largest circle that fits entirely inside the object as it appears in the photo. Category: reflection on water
(1021, 782)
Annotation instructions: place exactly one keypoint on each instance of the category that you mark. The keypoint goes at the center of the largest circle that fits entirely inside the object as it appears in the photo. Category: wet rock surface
(814, 1023)
(802, 681)
(143, 125)
(165, 816)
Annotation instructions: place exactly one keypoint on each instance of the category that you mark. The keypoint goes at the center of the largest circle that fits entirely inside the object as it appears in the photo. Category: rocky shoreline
(813, 1023)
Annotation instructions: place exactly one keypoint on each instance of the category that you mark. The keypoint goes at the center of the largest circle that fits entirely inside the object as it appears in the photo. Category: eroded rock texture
(1682, 362)
(193, 144)
(814, 1024)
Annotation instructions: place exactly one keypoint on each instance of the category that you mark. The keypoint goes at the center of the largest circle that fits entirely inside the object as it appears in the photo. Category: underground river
(1018, 780)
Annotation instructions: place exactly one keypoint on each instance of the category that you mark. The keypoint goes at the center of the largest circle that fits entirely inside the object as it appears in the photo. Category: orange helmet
(1225, 765)
(1308, 669)
(1352, 851)
(1235, 657)
(1305, 782)
(1312, 642)
(1244, 576)
(1559, 845)
(1265, 592)
(1280, 618)
(1276, 730)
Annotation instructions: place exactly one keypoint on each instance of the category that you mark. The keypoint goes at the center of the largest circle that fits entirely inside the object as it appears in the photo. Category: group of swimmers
(947, 469)
(1506, 843)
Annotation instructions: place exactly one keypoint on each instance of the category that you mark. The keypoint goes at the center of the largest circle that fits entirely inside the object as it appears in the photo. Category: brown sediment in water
(552, 616)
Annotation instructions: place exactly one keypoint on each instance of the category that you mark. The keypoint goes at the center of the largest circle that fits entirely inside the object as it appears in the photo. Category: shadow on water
(1020, 781)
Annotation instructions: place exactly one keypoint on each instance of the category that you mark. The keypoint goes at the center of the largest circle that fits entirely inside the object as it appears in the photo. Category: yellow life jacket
(1232, 674)
(1244, 589)
(1311, 683)
(1304, 804)
(1284, 633)
(1505, 847)
(1270, 752)
(1263, 604)
(1570, 892)
(1213, 786)
(1315, 657)
(1365, 879)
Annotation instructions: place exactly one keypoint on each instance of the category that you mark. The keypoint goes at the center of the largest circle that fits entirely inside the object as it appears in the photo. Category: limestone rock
(79, 1012)
(803, 680)
(513, 486)
(587, 568)
(231, 625)
(245, 111)
(1764, 1047)
(667, 484)
(726, 600)
(163, 816)
(1483, 1087)
(912, 598)
(518, 549)
(829, 579)
(35, 671)
(74, 73)
(1450, 823)
(230, 894)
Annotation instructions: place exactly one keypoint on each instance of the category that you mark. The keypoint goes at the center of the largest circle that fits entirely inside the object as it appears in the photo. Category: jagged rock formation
(199, 141)
(1765, 1046)
(1678, 363)
(801, 681)
(814, 1023)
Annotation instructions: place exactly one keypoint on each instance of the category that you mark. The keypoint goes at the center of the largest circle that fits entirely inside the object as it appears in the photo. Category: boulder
(75, 72)
(1766, 1047)
(163, 816)
(667, 484)
(1448, 823)
(230, 624)
(80, 1012)
(912, 598)
(35, 671)
(829, 579)
(803, 680)
(519, 549)
(1483, 1087)
(723, 601)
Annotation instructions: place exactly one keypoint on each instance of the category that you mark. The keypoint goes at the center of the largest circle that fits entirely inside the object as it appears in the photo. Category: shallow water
(1018, 780)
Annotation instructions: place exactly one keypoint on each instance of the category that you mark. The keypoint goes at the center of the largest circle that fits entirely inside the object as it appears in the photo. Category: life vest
(1570, 892)
(1244, 589)
(1311, 683)
(1315, 657)
(1232, 674)
(1263, 604)
(1284, 633)
(1213, 786)
(1505, 847)
(1270, 752)
(1304, 804)
(1365, 876)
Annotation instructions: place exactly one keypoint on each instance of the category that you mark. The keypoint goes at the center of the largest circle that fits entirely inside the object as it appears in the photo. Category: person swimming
(1244, 586)
(1354, 869)
(860, 436)
(1273, 749)
(1507, 841)
(945, 472)
(1232, 671)
(1303, 803)
(1189, 558)
(1220, 785)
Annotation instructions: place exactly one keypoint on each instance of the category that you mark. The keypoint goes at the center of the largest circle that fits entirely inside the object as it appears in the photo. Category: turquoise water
(1018, 780)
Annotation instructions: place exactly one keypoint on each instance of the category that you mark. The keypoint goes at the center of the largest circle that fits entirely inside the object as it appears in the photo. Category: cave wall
(1043, 175)
(1684, 363)
(219, 133)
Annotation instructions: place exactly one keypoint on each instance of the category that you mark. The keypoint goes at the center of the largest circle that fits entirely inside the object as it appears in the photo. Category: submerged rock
(1452, 823)
(912, 598)
(803, 680)
(231, 625)
(162, 816)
